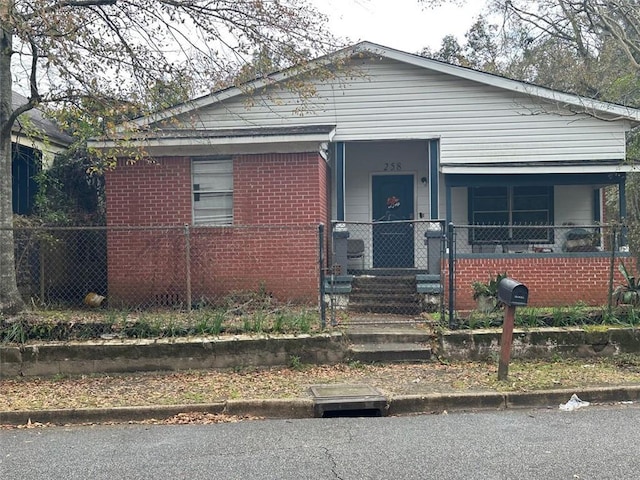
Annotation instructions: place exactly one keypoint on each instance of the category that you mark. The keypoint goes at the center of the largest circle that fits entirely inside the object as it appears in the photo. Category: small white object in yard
(573, 404)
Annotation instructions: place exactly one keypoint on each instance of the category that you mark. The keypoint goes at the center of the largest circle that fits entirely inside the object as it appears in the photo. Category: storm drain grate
(347, 401)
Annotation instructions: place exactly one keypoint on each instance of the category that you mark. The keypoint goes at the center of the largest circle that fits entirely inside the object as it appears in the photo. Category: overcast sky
(401, 24)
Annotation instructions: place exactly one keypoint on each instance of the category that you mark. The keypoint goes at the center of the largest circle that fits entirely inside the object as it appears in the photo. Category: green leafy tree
(584, 47)
(120, 56)
(450, 51)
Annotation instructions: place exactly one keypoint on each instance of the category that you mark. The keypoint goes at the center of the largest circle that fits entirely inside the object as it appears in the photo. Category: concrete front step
(383, 297)
(378, 283)
(385, 294)
(387, 307)
(389, 352)
(386, 335)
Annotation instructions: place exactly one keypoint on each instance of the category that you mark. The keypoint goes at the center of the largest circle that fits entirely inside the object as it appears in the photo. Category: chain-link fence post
(452, 295)
(41, 270)
(323, 310)
(612, 240)
(187, 253)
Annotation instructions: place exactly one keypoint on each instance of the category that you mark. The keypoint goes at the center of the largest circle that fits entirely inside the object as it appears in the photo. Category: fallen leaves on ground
(194, 387)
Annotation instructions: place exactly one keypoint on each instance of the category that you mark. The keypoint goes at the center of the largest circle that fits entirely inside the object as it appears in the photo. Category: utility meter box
(513, 293)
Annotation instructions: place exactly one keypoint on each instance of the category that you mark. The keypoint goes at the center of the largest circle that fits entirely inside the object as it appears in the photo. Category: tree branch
(68, 3)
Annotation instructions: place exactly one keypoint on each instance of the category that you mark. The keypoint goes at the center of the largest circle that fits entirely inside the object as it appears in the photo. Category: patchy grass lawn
(395, 379)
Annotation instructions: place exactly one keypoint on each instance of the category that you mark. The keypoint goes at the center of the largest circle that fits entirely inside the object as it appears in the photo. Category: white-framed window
(212, 184)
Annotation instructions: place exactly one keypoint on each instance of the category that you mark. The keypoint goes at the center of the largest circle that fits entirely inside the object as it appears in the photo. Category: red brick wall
(149, 193)
(281, 259)
(278, 202)
(279, 189)
(146, 266)
(552, 281)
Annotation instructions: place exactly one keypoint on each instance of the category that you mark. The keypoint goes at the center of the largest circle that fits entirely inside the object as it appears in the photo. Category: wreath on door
(393, 202)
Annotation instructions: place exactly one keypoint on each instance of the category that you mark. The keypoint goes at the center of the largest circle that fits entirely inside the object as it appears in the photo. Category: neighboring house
(393, 136)
(35, 141)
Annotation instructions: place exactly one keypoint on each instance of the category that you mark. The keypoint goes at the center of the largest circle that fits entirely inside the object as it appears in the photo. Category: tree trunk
(10, 299)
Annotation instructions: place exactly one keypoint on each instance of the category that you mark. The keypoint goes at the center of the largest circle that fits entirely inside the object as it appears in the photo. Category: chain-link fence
(537, 238)
(150, 282)
(175, 266)
(60, 265)
(387, 267)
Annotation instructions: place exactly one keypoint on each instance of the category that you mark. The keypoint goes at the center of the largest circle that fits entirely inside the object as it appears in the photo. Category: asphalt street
(596, 442)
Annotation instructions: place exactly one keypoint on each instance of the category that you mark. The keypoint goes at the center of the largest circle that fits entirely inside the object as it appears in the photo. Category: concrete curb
(103, 415)
(268, 408)
(437, 402)
(629, 393)
(304, 408)
(272, 408)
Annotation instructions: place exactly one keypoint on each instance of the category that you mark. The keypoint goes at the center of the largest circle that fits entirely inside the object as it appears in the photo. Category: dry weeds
(196, 387)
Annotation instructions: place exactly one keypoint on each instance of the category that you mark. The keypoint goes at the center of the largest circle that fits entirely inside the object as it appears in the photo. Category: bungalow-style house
(386, 138)
(35, 141)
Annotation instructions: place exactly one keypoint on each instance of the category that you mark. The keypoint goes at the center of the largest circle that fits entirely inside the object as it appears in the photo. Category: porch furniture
(579, 240)
(355, 254)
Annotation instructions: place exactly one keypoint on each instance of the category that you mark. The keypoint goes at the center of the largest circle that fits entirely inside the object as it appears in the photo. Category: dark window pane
(490, 235)
(490, 192)
(491, 218)
(490, 204)
(533, 190)
(519, 205)
(531, 218)
(531, 203)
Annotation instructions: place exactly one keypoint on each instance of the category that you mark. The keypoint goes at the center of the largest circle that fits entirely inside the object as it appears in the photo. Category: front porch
(578, 264)
(393, 203)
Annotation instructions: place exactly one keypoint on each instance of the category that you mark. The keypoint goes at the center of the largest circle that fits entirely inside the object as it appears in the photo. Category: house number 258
(393, 167)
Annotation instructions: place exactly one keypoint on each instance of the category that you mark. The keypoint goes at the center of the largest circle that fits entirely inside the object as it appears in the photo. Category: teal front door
(392, 202)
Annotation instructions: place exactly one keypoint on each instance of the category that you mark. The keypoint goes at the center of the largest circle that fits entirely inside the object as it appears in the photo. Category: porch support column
(597, 205)
(622, 202)
(434, 180)
(622, 198)
(340, 181)
(448, 200)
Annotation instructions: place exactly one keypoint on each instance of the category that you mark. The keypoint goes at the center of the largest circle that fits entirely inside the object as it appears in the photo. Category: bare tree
(114, 52)
(584, 25)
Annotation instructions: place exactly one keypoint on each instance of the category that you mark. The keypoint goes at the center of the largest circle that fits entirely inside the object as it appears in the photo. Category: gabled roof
(585, 104)
(47, 128)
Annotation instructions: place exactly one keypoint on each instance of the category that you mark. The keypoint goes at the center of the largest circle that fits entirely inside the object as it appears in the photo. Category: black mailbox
(512, 292)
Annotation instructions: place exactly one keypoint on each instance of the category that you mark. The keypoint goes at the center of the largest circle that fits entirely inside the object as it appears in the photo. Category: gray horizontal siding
(476, 123)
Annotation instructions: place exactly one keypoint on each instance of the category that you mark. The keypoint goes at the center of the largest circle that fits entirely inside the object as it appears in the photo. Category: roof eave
(314, 138)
